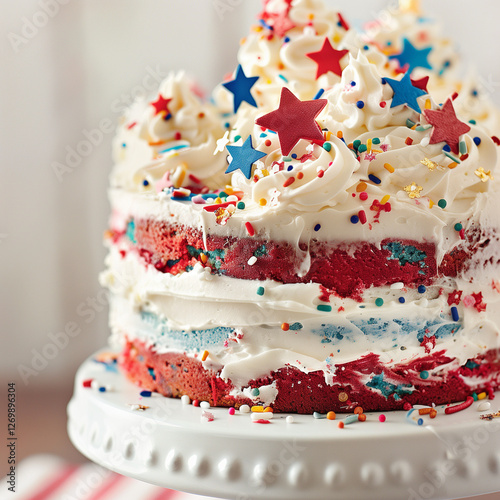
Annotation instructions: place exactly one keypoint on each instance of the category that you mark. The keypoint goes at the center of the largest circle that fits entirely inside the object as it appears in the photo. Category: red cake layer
(174, 374)
(345, 270)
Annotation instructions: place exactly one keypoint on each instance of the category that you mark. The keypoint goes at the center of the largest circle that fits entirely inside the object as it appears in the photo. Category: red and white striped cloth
(45, 477)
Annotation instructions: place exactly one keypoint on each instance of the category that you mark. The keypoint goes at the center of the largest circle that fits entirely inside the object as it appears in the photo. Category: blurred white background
(65, 77)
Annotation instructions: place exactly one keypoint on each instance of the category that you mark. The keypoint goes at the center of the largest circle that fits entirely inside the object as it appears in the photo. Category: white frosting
(148, 145)
(474, 99)
(394, 24)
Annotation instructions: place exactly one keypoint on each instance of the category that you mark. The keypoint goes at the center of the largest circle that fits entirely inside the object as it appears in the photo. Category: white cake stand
(172, 445)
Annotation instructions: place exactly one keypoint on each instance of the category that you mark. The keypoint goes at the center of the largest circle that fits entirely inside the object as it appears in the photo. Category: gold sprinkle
(483, 175)
(369, 145)
(452, 165)
(385, 199)
(336, 38)
(203, 258)
(428, 104)
(361, 187)
(431, 203)
(204, 355)
(262, 202)
(413, 190)
(310, 16)
(431, 165)
(389, 167)
(265, 172)
(343, 397)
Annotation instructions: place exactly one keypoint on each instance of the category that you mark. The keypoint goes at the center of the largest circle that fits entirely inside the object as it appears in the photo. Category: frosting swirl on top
(362, 83)
(278, 56)
(395, 24)
(172, 136)
(397, 153)
(308, 191)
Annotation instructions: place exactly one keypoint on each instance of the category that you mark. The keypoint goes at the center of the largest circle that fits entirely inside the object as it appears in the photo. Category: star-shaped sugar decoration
(413, 57)
(413, 190)
(240, 88)
(294, 120)
(222, 143)
(161, 106)
(243, 157)
(483, 175)
(447, 127)
(405, 92)
(328, 59)
(421, 84)
(280, 23)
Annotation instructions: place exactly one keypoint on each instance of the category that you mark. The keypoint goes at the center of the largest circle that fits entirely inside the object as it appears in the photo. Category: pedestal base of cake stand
(171, 444)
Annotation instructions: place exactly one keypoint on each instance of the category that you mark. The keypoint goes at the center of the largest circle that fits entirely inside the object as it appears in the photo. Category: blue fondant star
(405, 92)
(244, 157)
(240, 88)
(415, 58)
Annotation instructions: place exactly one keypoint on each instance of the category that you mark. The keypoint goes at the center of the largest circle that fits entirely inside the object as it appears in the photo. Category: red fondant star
(447, 127)
(161, 104)
(328, 59)
(294, 120)
(421, 84)
(478, 302)
(280, 23)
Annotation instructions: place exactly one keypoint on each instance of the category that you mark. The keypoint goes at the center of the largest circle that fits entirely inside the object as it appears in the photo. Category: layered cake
(321, 234)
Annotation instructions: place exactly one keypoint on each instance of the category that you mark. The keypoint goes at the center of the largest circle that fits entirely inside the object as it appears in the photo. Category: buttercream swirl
(151, 144)
(361, 82)
(394, 24)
